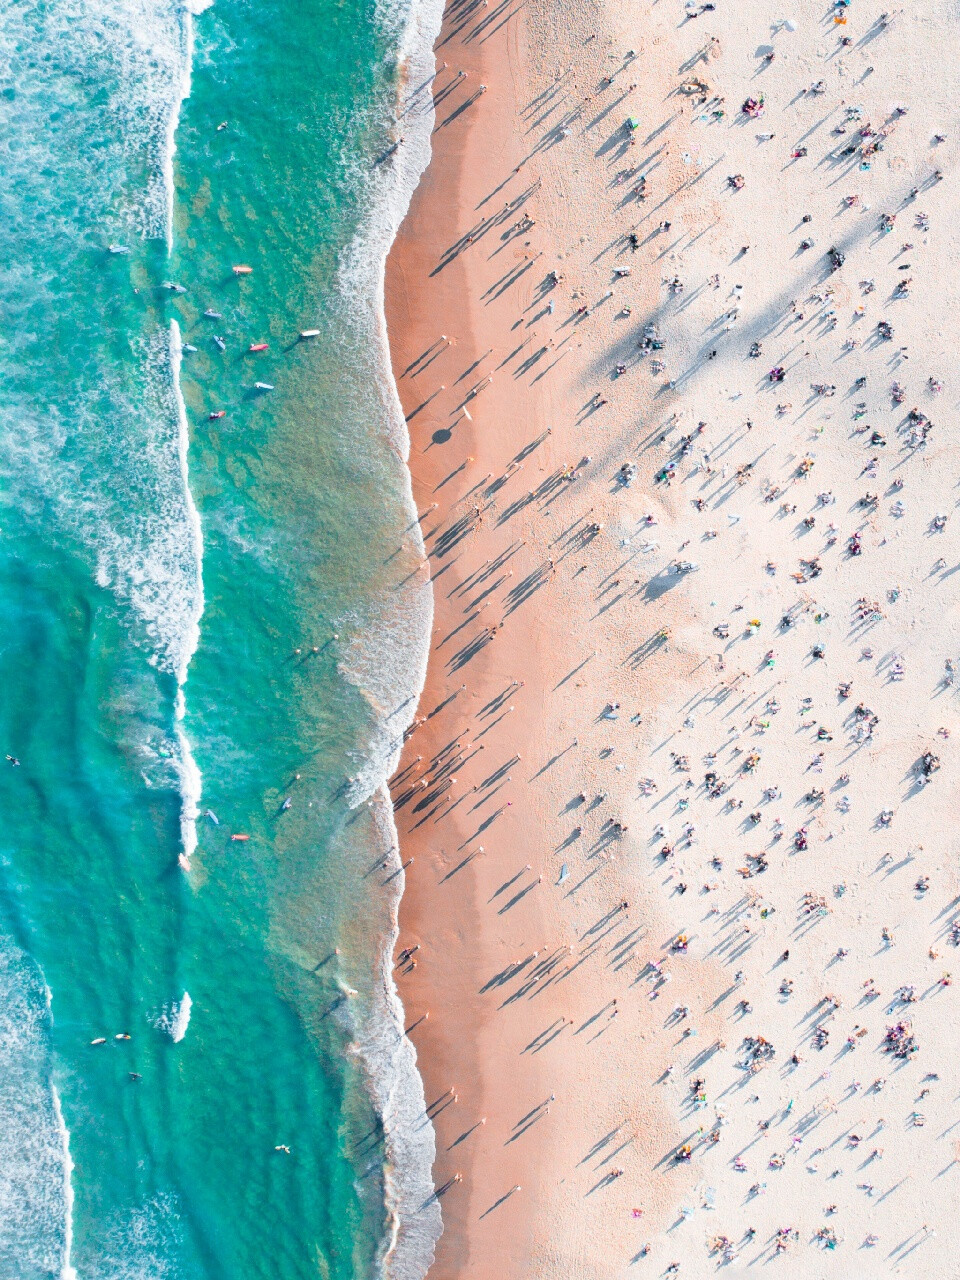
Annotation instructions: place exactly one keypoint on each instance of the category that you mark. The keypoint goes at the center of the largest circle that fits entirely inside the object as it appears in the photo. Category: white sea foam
(150, 551)
(134, 51)
(170, 139)
(36, 1201)
(102, 461)
(191, 782)
(413, 1211)
(95, 453)
(140, 1244)
(387, 660)
(67, 1271)
(100, 455)
(174, 1018)
(188, 772)
(157, 565)
(386, 657)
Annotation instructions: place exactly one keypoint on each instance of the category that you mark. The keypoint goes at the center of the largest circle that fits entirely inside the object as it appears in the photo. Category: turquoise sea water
(208, 631)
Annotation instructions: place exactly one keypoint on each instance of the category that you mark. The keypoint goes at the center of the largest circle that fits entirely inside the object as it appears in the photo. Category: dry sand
(611, 754)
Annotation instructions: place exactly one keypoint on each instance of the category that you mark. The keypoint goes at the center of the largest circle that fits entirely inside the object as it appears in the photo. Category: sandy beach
(670, 317)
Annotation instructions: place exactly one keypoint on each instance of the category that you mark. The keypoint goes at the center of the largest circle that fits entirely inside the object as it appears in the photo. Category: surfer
(390, 151)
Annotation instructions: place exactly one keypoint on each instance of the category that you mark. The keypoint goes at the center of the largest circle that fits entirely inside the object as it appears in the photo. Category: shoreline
(447, 201)
(411, 1223)
(521, 443)
(462, 1083)
(438, 185)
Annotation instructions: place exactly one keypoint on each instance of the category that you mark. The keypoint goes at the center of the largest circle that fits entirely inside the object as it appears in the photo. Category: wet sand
(625, 796)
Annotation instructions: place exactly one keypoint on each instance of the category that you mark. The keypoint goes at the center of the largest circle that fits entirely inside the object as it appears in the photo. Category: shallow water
(159, 572)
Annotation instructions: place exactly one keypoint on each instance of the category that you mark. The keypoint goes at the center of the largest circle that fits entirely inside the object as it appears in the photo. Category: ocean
(214, 638)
